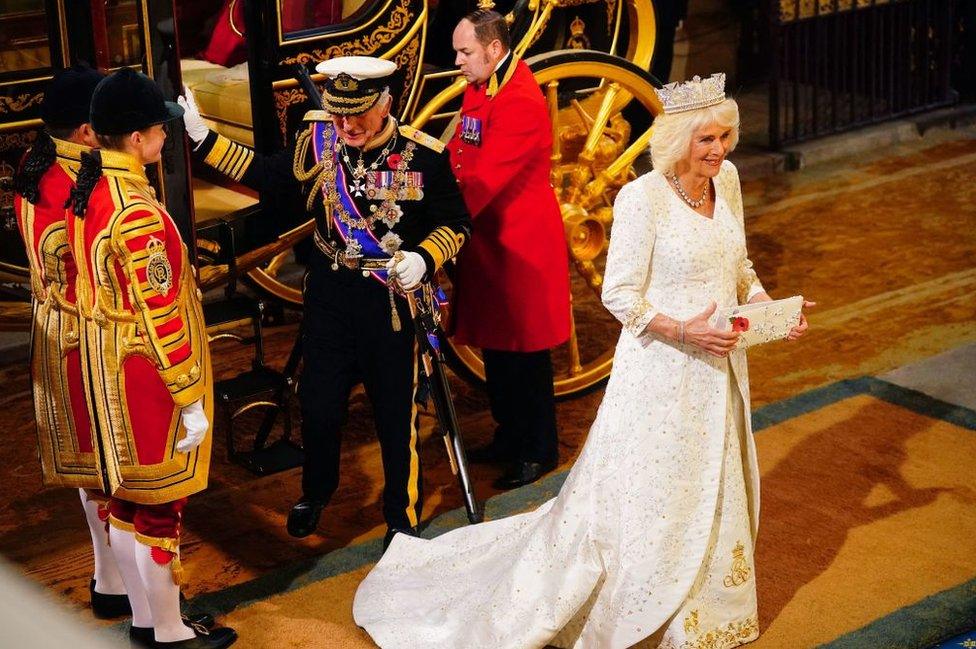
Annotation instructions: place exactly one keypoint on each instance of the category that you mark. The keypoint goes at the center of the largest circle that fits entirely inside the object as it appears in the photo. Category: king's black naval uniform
(401, 187)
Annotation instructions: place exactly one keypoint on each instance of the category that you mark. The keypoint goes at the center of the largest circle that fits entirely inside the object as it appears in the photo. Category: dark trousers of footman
(522, 404)
(348, 338)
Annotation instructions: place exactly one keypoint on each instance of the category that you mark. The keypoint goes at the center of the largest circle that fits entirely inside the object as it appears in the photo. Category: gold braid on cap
(346, 95)
(681, 96)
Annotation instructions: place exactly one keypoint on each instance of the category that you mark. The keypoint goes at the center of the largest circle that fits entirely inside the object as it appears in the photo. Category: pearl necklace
(681, 192)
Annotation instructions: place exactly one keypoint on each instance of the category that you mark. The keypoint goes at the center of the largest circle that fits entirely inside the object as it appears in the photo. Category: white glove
(409, 270)
(196, 128)
(196, 425)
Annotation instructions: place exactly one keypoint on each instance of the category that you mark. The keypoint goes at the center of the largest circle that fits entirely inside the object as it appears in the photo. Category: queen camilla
(651, 538)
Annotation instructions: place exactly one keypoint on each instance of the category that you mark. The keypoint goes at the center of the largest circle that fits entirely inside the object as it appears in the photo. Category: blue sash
(324, 139)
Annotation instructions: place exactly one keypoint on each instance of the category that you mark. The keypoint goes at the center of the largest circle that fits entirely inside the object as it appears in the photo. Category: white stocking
(164, 597)
(108, 579)
(123, 548)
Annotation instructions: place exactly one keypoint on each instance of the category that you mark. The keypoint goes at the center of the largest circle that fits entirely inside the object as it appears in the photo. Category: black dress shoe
(213, 639)
(141, 637)
(523, 473)
(393, 531)
(304, 517)
(198, 619)
(195, 618)
(106, 607)
(492, 453)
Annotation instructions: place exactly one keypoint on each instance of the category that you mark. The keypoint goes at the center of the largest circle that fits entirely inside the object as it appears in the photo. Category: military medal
(383, 185)
(356, 188)
(159, 273)
(471, 130)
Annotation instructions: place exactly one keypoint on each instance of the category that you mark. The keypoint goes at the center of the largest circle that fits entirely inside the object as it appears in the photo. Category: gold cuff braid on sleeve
(183, 381)
(442, 244)
(229, 157)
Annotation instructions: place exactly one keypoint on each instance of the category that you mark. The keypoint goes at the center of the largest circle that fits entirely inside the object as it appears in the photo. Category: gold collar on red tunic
(124, 165)
(69, 155)
(502, 75)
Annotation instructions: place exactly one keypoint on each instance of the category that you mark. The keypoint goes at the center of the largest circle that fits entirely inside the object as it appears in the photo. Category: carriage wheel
(593, 156)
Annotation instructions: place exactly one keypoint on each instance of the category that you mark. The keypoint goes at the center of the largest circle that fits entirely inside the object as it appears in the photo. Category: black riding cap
(130, 101)
(67, 99)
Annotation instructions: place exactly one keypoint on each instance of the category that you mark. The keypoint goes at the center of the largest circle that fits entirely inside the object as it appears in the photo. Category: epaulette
(317, 116)
(420, 137)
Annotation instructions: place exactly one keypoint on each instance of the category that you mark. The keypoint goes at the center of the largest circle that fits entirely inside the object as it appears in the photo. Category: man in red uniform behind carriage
(512, 288)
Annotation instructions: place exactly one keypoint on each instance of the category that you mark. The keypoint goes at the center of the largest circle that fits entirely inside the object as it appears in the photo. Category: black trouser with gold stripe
(347, 338)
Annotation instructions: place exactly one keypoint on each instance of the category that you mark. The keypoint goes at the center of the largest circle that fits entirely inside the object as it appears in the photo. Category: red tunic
(512, 289)
(64, 428)
(144, 339)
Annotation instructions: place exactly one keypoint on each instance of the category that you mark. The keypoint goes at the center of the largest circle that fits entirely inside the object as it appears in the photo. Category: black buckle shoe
(141, 637)
(523, 473)
(393, 531)
(106, 607)
(304, 517)
(205, 639)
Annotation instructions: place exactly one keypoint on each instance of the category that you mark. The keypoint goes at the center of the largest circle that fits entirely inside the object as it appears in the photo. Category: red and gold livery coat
(143, 338)
(512, 291)
(67, 450)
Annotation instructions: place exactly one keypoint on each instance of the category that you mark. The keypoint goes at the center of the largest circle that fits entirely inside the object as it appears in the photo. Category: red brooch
(739, 323)
(393, 160)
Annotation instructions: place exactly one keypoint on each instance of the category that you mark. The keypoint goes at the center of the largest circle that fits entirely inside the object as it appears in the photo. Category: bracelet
(681, 332)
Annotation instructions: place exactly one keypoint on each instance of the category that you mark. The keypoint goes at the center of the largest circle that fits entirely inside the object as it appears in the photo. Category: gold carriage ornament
(682, 96)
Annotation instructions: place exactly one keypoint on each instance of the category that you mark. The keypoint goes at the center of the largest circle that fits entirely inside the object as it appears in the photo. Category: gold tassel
(394, 313)
(179, 577)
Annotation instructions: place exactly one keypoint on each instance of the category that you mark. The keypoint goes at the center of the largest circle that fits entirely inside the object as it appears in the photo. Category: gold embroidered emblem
(346, 83)
(691, 622)
(740, 568)
(159, 273)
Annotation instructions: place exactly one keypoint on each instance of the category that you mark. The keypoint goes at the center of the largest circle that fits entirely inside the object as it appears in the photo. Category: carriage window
(301, 15)
(24, 43)
(122, 27)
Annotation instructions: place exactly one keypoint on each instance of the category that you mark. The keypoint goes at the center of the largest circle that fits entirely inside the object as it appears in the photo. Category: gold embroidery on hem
(731, 635)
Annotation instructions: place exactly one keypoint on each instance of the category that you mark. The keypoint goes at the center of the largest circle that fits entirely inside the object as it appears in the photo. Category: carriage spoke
(600, 122)
(552, 98)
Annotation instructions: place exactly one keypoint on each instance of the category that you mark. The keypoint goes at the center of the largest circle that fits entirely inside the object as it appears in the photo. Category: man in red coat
(512, 289)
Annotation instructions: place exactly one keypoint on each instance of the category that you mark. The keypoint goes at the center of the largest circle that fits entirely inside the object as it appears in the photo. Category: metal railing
(842, 64)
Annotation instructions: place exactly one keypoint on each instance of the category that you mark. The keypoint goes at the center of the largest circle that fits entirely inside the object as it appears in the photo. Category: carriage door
(305, 32)
(34, 43)
(141, 34)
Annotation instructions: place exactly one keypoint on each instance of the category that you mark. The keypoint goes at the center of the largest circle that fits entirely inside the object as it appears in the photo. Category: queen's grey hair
(672, 134)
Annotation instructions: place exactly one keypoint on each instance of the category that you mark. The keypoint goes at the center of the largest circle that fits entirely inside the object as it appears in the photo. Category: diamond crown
(698, 93)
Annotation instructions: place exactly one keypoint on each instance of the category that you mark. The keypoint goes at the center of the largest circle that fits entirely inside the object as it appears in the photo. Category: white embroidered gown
(650, 540)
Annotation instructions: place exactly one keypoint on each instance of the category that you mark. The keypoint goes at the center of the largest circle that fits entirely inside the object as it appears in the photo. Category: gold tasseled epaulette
(420, 137)
(317, 116)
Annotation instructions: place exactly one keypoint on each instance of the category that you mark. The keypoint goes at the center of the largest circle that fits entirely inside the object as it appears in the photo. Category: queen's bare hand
(801, 328)
(700, 333)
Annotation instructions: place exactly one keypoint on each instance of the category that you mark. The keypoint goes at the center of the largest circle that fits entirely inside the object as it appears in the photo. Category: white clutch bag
(761, 322)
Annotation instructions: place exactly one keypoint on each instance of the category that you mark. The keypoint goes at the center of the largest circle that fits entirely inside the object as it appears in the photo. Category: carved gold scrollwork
(407, 60)
(12, 141)
(284, 99)
(399, 20)
(20, 102)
